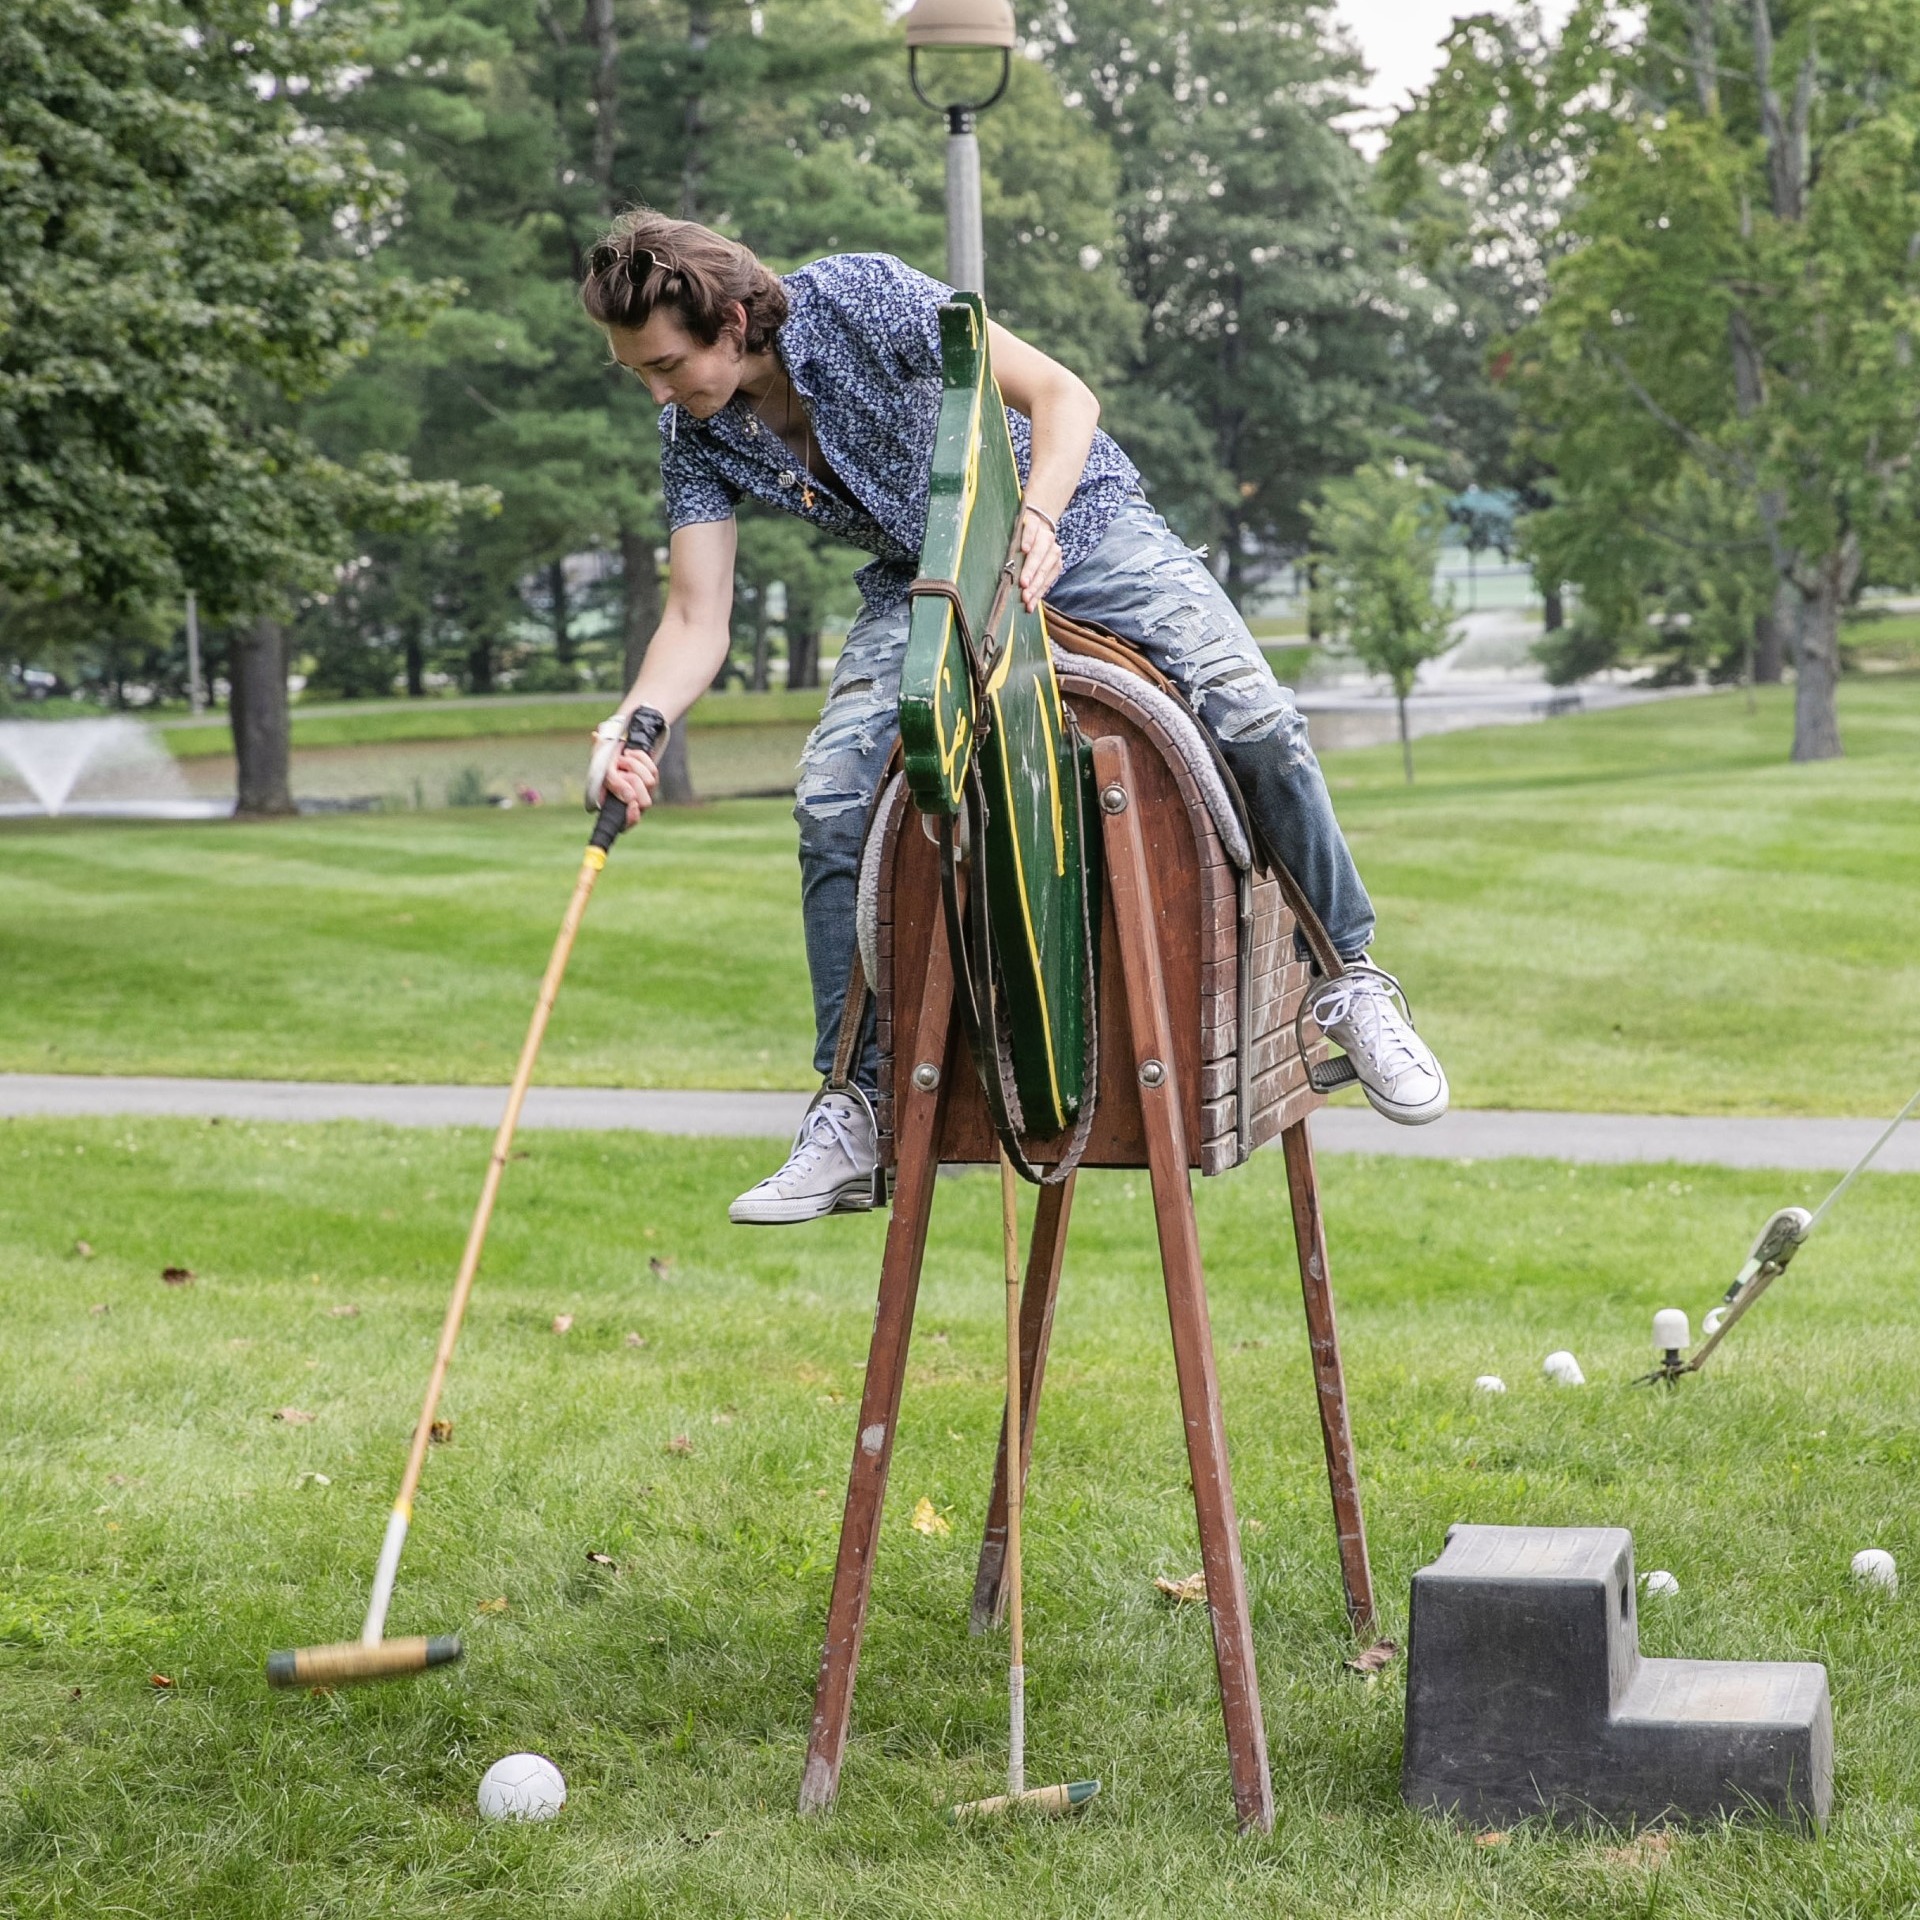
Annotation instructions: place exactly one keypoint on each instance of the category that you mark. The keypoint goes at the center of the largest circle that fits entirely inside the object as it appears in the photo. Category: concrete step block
(1527, 1694)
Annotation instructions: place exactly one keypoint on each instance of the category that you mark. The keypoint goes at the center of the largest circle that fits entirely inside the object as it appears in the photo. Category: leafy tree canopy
(183, 258)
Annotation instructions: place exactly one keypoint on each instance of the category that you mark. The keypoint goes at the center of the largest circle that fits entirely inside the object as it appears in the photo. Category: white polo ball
(1490, 1383)
(1562, 1366)
(1873, 1567)
(1660, 1584)
(523, 1786)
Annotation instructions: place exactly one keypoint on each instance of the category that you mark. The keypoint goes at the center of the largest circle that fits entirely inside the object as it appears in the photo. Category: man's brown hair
(648, 261)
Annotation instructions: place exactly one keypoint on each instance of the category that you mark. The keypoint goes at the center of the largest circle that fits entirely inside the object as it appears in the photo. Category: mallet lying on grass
(373, 1656)
(1072, 1793)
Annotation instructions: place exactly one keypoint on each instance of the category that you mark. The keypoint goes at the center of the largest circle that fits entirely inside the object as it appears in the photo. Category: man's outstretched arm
(1065, 415)
(688, 648)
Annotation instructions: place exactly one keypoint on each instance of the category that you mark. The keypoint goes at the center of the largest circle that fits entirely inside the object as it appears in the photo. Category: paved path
(1707, 1140)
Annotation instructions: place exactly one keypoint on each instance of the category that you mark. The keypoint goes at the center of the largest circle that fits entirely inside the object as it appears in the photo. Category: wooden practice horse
(1197, 1064)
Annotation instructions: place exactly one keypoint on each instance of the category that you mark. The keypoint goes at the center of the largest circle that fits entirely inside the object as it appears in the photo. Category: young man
(818, 393)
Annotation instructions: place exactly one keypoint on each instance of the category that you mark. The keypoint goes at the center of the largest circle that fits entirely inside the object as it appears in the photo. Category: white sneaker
(1397, 1069)
(830, 1169)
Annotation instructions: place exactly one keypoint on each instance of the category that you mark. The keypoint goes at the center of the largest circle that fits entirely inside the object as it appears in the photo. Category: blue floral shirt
(861, 344)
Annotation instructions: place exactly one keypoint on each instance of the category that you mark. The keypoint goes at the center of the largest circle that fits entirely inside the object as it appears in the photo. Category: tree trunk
(1406, 739)
(257, 712)
(693, 126)
(1816, 718)
(762, 643)
(562, 611)
(803, 653)
(480, 665)
(640, 616)
(1556, 607)
(1313, 596)
(416, 657)
(1770, 640)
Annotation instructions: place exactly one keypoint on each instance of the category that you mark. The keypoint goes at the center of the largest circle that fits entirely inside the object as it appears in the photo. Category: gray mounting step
(1527, 1694)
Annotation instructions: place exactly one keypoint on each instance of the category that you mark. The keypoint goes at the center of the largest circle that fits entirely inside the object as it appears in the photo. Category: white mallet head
(1562, 1366)
(1660, 1584)
(1873, 1567)
(1671, 1334)
(1490, 1383)
(523, 1786)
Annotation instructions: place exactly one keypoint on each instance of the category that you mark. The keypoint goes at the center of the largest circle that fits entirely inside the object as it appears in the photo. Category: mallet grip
(347, 1661)
(645, 726)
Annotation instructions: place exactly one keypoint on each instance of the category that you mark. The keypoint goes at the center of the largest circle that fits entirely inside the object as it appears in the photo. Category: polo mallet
(1071, 1793)
(373, 1656)
(1784, 1234)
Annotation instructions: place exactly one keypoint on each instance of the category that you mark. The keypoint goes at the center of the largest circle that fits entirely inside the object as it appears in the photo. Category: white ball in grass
(523, 1786)
(1490, 1383)
(1874, 1567)
(1660, 1584)
(1563, 1367)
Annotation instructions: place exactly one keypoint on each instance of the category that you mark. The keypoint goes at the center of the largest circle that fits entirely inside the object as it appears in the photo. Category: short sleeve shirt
(861, 344)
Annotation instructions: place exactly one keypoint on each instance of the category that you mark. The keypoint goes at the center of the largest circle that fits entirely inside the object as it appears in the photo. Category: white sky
(1401, 38)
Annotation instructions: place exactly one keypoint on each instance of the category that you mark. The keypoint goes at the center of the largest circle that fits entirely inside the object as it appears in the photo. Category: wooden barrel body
(1226, 947)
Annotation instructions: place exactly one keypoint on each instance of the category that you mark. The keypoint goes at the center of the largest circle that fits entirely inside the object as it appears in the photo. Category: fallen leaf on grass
(1489, 1839)
(657, 1267)
(440, 1432)
(295, 1417)
(602, 1560)
(177, 1276)
(563, 1323)
(83, 1249)
(1644, 1850)
(158, 1680)
(928, 1519)
(343, 1313)
(99, 1309)
(318, 1479)
(724, 1418)
(1374, 1658)
(636, 1339)
(1180, 1592)
(116, 1479)
(73, 1693)
(679, 1444)
(492, 1606)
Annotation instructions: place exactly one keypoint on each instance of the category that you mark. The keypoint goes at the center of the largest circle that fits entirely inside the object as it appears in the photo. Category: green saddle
(991, 753)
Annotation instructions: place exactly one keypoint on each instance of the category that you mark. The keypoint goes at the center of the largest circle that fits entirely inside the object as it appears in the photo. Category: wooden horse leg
(1310, 1237)
(1160, 1103)
(1037, 1298)
(919, 1112)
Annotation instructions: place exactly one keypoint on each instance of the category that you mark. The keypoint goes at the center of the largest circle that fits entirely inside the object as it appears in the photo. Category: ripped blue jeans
(1144, 583)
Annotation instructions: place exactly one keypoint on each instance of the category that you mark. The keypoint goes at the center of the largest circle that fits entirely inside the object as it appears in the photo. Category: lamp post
(965, 26)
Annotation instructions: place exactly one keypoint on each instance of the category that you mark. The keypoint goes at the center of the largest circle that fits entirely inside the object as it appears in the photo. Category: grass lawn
(1642, 910)
(156, 1518)
(360, 723)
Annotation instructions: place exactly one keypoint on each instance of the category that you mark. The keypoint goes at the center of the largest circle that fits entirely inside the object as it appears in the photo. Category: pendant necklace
(806, 459)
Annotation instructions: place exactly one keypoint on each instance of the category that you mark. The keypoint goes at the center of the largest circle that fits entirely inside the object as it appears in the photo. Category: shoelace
(825, 1125)
(1368, 1003)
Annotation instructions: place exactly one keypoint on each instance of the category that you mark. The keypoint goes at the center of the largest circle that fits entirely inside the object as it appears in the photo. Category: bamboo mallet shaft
(1016, 1644)
(591, 864)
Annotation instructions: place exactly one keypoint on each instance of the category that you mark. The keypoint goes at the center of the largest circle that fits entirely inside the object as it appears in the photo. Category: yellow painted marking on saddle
(1053, 793)
(1026, 921)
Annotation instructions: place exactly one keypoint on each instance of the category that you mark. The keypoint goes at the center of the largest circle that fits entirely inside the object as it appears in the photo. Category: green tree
(182, 261)
(1276, 319)
(1737, 285)
(1377, 538)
